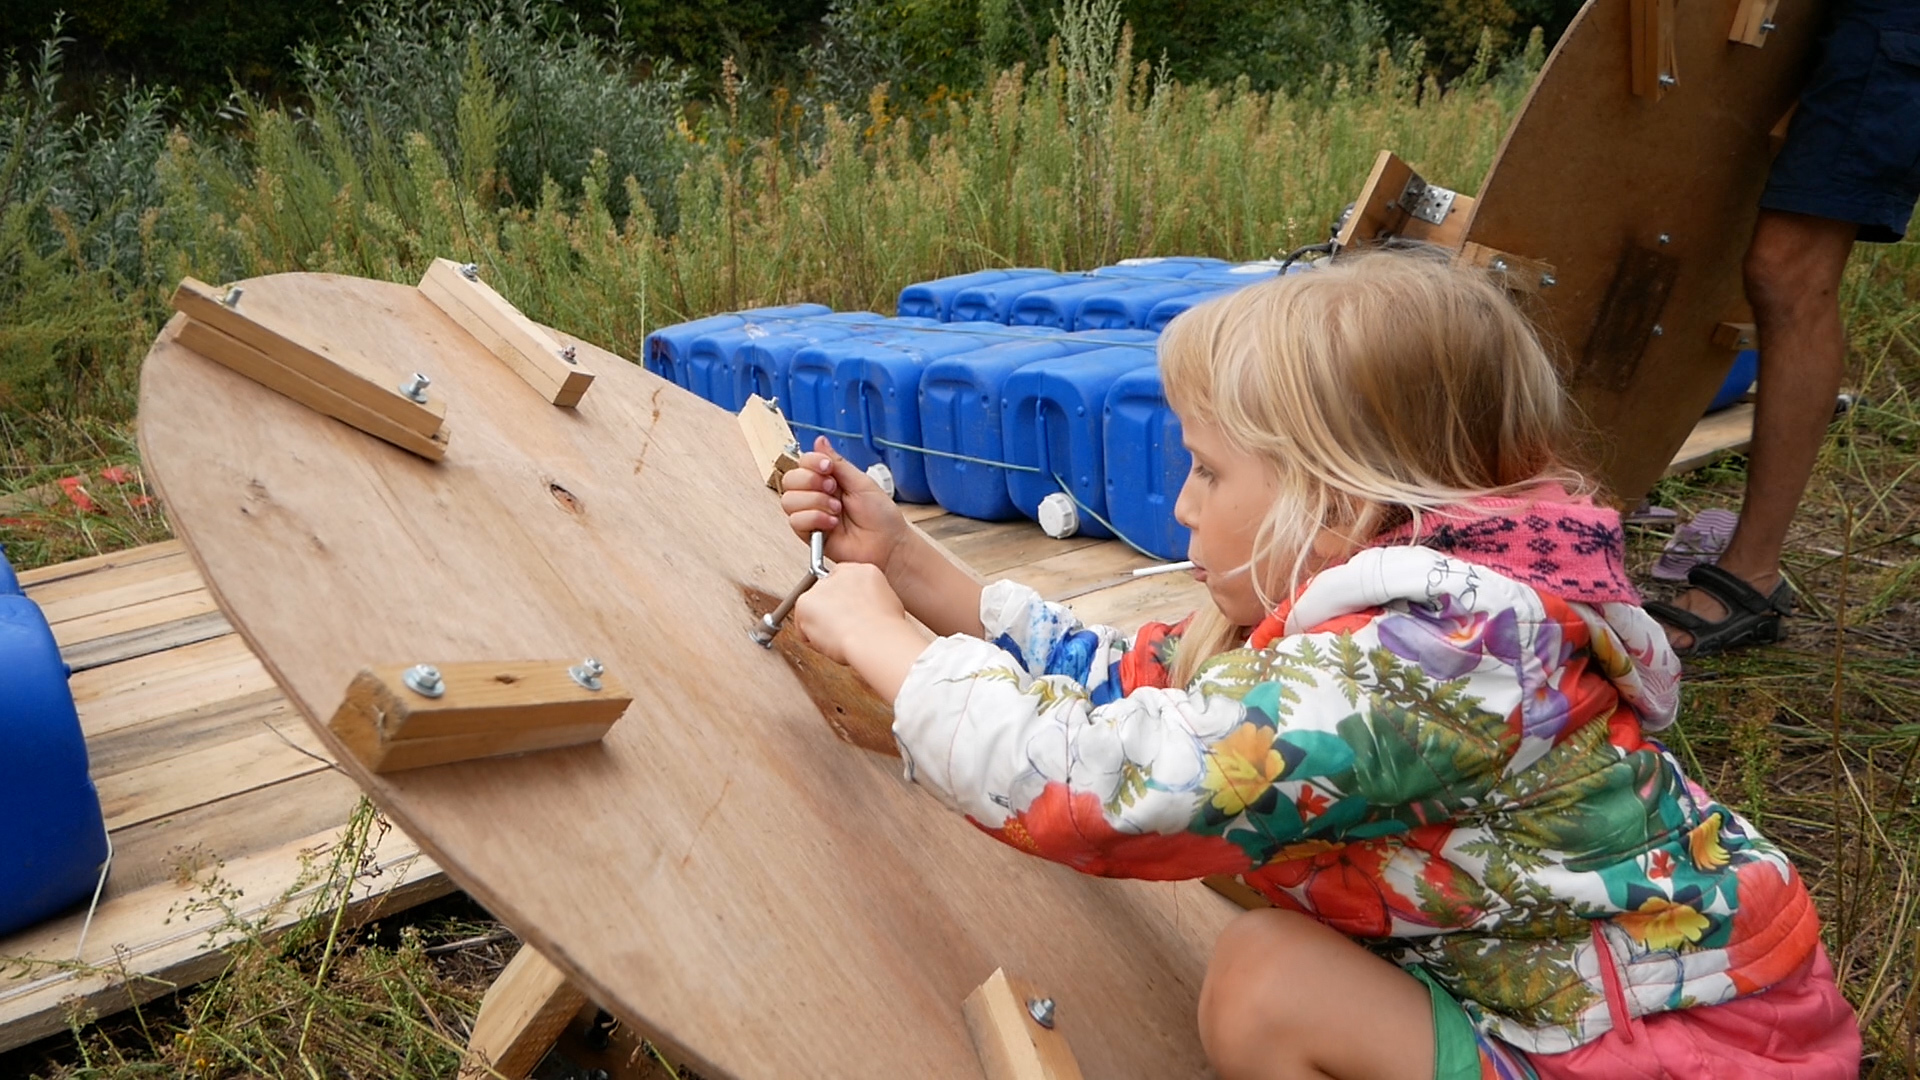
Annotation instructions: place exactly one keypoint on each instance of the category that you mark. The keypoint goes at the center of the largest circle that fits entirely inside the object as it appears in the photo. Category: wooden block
(528, 348)
(231, 352)
(1734, 335)
(1752, 22)
(770, 440)
(1655, 57)
(1390, 206)
(520, 1018)
(1522, 274)
(1013, 1045)
(202, 303)
(1238, 891)
(484, 709)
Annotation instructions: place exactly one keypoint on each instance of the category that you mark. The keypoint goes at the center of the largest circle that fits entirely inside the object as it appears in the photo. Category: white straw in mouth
(1163, 568)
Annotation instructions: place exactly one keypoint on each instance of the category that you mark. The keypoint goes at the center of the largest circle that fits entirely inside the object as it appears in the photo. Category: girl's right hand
(829, 494)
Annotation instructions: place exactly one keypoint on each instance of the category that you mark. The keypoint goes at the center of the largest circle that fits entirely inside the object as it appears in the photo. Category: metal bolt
(1548, 281)
(1768, 27)
(587, 673)
(1666, 238)
(1500, 265)
(470, 271)
(570, 354)
(1668, 80)
(1041, 1009)
(416, 388)
(1659, 331)
(424, 679)
(232, 299)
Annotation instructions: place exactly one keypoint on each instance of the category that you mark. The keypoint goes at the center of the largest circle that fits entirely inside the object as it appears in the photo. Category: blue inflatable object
(1746, 366)
(993, 301)
(759, 365)
(934, 299)
(55, 839)
(1146, 464)
(1053, 418)
(666, 349)
(960, 413)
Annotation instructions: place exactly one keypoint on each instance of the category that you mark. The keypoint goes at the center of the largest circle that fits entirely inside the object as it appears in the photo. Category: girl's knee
(1244, 1000)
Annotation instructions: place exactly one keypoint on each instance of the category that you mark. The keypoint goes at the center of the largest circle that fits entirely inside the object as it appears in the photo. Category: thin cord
(79, 951)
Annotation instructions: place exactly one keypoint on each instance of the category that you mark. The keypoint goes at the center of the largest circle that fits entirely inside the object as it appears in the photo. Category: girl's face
(1228, 493)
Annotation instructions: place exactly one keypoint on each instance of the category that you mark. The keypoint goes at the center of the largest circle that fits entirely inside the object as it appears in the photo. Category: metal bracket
(1430, 203)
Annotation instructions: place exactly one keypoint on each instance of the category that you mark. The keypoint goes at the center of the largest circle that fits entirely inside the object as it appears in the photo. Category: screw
(1666, 238)
(416, 388)
(232, 299)
(570, 354)
(1041, 1009)
(1500, 265)
(470, 271)
(1767, 27)
(772, 405)
(424, 679)
(1548, 281)
(587, 673)
(1659, 331)
(1668, 80)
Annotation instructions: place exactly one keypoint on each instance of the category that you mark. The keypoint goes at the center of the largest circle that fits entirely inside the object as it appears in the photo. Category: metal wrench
(770, 623)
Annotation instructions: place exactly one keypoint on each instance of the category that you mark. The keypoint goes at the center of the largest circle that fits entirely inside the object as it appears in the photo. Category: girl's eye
(1202, 471)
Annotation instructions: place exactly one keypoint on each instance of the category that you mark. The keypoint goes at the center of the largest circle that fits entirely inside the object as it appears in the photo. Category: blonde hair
(1377, 388)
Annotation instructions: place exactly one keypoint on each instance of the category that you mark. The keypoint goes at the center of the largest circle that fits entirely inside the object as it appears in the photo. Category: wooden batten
(1520, 273)
(1391, 204)
(769, 439)
(1655, 62)
(520, 1018)
(232, 352)
(1734, 335)
(346, 375)
(1752, 22)
(1012, 1044)
(534, 354)
(487, 709)
(1236, 890)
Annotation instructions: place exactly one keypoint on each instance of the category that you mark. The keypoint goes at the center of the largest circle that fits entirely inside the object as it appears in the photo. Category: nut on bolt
(416, 388)
(424, 679)
(587, 673)
(470, 271)
(1041, 1009)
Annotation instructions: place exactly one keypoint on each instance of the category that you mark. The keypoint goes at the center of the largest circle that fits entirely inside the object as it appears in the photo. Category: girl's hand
(828, 494)
(852, 616)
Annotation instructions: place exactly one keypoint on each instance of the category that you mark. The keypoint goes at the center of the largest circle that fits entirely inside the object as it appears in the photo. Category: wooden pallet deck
(212, 783)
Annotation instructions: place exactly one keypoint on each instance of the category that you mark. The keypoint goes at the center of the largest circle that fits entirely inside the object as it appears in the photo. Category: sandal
(1751, 619)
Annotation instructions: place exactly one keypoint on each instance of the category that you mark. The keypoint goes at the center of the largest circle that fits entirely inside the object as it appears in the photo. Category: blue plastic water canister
(1130, 309)
(665, 350)
(878, 390)
(1746, 366)
(55, 840)
(993, 301)
(8, 582)
(1146, 463)
(1053, 415)
(1060, 306)
(1238, 274)
(759, 366)
(1153, 267)
(960, 413)
(1167, 310)
(934, 299)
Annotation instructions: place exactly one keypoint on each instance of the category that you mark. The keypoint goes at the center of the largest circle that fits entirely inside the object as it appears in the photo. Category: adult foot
(1724, 611)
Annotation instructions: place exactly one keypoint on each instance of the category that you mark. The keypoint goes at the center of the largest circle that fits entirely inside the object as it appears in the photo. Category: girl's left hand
(847, 605)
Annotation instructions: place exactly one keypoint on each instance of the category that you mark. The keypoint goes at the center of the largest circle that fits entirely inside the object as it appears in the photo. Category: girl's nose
(1185, 507)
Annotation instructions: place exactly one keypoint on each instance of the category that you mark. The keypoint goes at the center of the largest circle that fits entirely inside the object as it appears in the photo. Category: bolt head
(587, 673)
(1768, 27)
(1548, 281)
(424, 679)
(1666, 238)
(570, 354)
(1500, 265)
(470, 271)
(1041, 1009)
(1668, 80)
(1659, 331)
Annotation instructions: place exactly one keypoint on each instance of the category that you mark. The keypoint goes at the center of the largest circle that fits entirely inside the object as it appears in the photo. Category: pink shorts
(1801, 1028)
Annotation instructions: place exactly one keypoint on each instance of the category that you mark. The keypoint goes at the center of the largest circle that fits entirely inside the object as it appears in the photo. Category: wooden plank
(148, 687)
(775, 451)
(146, 640)
(261, 368)
(1752, 22)
(644, 867)
(520, 1018)
(1012, 1043)
(1729, 431)
(127, 962)
(196, 728)
(1521, 274)
(337, 356)
(32, 580)
(550, 366)
(120, 585)
(994, 547)
(1589, 170)
(390, 720)
(1150, 599)
(88, 608)
(154, 790)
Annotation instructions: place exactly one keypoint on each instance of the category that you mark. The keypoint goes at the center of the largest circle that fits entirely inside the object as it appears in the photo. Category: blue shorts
(1853, 149)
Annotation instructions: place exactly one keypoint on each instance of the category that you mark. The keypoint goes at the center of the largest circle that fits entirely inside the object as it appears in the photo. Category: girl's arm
(827, 493)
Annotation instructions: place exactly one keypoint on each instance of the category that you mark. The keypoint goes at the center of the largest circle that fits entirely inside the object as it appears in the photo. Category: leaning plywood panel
(721, 869)
(1643, 205)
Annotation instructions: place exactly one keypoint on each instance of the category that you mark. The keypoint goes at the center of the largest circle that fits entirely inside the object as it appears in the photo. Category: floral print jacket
(1431, 756)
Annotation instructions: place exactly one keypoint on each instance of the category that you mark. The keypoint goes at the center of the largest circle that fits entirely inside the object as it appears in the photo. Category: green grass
(1091, 158)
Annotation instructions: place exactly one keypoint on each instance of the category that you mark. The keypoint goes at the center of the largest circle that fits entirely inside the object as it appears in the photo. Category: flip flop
(1751, 619)
(1698, 542)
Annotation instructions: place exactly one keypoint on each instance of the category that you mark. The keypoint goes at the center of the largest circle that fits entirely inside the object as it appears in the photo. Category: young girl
(1413, 717)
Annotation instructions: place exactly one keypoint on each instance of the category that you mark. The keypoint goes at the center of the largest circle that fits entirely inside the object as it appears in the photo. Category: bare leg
(1793, 270)
(1287, 998)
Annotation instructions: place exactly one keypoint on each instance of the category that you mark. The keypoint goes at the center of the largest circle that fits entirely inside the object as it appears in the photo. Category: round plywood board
(1593, 176)
(722, 871)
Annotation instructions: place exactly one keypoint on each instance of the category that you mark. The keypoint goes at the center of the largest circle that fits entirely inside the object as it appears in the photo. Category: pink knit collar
(1553, 541)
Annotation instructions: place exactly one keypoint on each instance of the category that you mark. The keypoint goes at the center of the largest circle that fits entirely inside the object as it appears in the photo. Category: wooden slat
(145, 641)
(226, 830)
(31, 580)
(520, 1018)
(148, 687)
(115, 751)
(1728, 431)
(271, 754)
(137, 615)
(115, 586)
